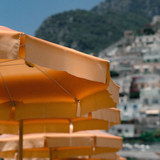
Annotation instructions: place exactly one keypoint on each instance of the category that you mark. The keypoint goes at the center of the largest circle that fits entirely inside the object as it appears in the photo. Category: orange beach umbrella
(101, 119)
(40, 79)
(60, 77)
(64, 145)
(106, 156)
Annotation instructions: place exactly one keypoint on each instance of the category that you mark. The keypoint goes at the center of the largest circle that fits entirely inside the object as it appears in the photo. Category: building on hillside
(150, 118)
(144, 43)
(124, 83)
(123, 65)
(123, 130)
(140, 81)
(129, 110)
(145, 68)
(130, 36)
(113, 50)
(150, 97)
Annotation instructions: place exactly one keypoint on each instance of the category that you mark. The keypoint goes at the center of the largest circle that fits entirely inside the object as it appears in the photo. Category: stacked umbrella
(46, 87)
(92, 143)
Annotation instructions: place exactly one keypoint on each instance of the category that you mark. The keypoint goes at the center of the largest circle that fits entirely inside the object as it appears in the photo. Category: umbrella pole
(51, 153)
(20, 155)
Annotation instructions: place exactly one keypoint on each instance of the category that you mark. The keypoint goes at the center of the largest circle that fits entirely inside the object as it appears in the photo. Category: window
(145, 101)
(135, 107)
(137, 70)
(125, 108)
(155, 101)
(142, 85)
(125, 74)
(155, 60)
(119, 131)
(155, 69)
(145, 70)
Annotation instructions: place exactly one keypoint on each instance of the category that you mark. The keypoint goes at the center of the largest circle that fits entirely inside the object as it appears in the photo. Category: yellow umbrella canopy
(60, 82)
(62, 145)
(101, 119)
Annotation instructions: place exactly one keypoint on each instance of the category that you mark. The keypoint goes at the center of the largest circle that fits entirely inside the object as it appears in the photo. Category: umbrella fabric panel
(108, 114)
(61, 153)
(100, 150)
(58, 57)
(113, 89)
(90, 124)
(5, 110)
(9, 44)
(7, 154)
(46, 125)
(9, 127)
(96, 101)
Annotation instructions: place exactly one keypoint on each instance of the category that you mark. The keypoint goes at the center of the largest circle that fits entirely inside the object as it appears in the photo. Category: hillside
(79, 29)
(92, 31)
(148, 8)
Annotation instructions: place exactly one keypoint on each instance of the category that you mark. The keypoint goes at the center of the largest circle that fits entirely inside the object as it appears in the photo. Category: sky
(27, 15)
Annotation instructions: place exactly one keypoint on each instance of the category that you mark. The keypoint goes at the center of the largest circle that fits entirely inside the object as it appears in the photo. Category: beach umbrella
(61, 145)
(103, 156)
(40, 79)
(101, 119)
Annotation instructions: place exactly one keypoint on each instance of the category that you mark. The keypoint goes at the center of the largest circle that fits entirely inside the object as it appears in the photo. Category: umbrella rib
(9, 60)
(11, 65)
(12, 103)
(58, 84)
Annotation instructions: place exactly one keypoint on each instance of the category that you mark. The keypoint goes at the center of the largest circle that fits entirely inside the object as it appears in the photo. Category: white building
(129, 110)
(150, 97)
(144, 44)
(123, 130)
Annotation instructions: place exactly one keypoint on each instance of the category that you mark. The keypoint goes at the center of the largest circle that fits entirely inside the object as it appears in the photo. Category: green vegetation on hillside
(148, 8)
(86, 31)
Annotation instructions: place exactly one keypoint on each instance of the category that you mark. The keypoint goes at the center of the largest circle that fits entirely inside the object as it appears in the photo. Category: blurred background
(125, 32)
